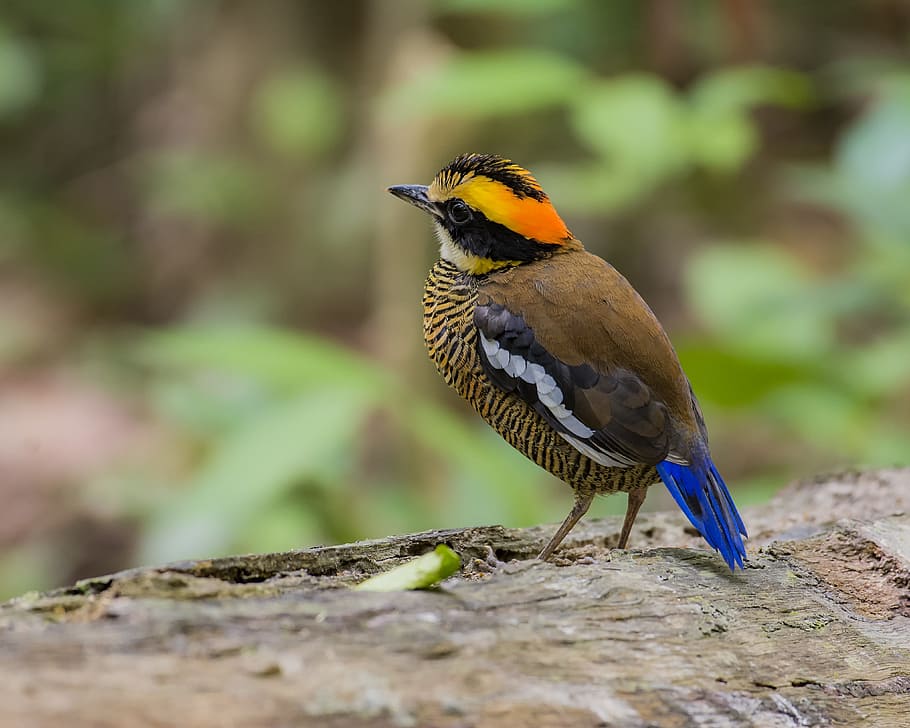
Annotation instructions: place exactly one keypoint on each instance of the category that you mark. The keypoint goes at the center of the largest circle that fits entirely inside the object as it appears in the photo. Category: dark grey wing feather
(611, 417)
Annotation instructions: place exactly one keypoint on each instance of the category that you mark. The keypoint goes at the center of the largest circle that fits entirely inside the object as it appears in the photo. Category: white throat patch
(466, 262)
(448, 250)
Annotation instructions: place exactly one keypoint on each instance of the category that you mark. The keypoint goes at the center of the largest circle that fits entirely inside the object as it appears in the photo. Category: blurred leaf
(733, 380)
(870, 177)
(280, 526)
(877, 369)
(277, 358)
(598, 187)
(873, 163)
(886, 444)
(821, 415)
(298, 113)
(490, 83)
(738, 89)
(721, 133)
(251, 468)
(722, 142)
(759, 300)
(20, 75)
(647, 133)
(208, 403)
(635, 123)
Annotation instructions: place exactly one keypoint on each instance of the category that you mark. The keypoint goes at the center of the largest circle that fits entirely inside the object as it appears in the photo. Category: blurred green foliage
(193, 196)
(282, 419)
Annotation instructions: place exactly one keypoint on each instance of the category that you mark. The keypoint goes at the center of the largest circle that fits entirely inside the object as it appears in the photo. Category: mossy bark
(816, 631)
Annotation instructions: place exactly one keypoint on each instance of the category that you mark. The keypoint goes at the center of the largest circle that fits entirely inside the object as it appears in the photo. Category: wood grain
(816, 631)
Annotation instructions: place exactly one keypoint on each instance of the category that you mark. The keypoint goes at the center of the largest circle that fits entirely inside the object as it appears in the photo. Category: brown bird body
(559, 354)
(449, 303)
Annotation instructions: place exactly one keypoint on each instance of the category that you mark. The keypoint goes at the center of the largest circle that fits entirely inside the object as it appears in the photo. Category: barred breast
(449, 299)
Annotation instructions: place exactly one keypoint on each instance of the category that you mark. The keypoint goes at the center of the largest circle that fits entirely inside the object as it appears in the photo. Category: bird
(557, 351)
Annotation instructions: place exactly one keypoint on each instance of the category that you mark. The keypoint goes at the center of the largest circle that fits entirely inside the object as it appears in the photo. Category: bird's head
(489, 214)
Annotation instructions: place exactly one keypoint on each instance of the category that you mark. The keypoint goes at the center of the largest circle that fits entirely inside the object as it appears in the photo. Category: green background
(210, 334)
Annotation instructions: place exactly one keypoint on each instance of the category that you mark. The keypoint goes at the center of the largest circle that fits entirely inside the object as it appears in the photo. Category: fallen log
(815, 631)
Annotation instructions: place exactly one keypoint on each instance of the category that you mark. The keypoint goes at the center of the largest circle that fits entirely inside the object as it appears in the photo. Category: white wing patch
(678, 459)
(551, 396)
(517, 367)
(598, 456)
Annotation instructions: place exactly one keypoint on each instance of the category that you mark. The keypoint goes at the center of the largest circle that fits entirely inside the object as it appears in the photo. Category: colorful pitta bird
(559, 354)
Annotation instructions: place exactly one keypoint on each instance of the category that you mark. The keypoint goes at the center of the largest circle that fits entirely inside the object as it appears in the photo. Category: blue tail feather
(701, 493)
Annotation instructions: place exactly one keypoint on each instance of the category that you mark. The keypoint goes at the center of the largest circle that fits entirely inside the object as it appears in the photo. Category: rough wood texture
(815, 632)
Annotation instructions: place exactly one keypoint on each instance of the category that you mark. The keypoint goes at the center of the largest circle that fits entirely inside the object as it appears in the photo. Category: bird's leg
(636, 498)
(581, 506)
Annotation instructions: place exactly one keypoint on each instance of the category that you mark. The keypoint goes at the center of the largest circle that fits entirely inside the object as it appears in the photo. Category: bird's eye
(459, 212)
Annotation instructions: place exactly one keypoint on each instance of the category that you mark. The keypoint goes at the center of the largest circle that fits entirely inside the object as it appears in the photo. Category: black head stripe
(496, 168)
(487, 239)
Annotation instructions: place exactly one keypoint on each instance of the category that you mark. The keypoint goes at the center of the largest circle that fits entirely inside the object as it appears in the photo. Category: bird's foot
(490, 562)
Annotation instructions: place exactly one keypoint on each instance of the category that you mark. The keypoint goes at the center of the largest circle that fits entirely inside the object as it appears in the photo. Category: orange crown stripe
(526, 216)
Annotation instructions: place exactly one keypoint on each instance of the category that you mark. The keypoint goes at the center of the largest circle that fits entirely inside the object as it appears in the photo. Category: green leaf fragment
(419, 573)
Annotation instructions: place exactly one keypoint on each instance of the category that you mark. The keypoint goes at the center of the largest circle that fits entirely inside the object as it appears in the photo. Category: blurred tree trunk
(396, 147)
(816, 631)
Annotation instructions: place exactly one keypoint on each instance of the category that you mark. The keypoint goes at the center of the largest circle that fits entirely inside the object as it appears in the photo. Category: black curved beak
(417, 196)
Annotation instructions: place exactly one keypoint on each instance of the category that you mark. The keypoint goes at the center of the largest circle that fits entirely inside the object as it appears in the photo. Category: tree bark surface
(815, 631)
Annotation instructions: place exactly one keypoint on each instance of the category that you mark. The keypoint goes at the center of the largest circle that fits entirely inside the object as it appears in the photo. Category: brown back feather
(583, 311)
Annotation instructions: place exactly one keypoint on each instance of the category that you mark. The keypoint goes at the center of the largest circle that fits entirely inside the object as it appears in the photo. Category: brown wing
(574, 339)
